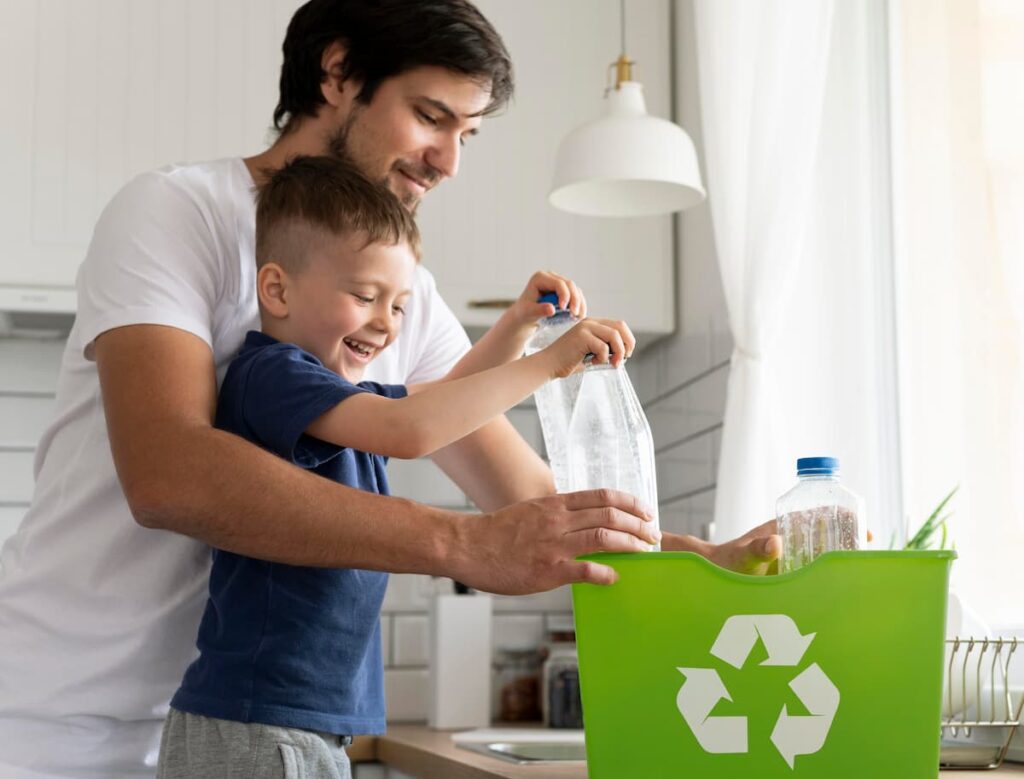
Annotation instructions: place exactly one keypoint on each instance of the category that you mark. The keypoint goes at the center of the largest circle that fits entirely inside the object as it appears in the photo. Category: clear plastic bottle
(818, 515)
(610, 442)
(555, 399)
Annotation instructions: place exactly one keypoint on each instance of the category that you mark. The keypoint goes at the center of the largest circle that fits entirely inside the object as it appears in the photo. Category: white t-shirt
(98, 615)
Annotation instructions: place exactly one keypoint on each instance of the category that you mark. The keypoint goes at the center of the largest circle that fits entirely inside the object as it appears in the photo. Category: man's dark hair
(384, 38)
(313, 197)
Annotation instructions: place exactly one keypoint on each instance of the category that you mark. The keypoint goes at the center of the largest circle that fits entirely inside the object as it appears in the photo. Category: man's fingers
(591, 573)
(590, 499)
(598, 525)
(769, 548)
(603, 539)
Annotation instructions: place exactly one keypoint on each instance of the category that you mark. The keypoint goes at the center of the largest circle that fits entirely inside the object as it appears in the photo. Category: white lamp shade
(626, 163)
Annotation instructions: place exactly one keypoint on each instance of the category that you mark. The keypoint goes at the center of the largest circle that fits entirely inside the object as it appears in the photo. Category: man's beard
(338, 147)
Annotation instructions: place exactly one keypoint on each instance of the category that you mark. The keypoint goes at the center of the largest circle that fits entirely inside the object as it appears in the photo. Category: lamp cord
(622, 24)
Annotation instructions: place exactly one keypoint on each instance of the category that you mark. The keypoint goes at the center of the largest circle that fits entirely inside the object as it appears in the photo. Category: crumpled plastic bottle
(609, 439)
(555, 400)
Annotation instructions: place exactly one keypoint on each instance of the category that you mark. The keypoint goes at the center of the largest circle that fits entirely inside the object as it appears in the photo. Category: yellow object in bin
(831, 671)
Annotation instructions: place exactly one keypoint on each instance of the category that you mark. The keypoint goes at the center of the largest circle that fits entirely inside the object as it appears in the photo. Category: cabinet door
(97, 91)
(487, 231)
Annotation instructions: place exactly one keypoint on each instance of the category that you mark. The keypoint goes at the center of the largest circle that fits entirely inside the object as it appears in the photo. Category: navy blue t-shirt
(282, 644)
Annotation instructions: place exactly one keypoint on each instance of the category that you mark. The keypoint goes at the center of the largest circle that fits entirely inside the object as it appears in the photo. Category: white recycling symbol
(703, 688)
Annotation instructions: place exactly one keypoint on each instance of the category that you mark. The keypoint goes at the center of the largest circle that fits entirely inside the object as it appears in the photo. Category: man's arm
(756, 552)
(179, 473)
(495, 467)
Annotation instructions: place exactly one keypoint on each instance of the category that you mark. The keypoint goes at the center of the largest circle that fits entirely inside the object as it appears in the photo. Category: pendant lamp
(626, 163)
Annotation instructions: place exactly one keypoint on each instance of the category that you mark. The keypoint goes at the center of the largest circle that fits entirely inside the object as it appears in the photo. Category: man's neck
(306, 138)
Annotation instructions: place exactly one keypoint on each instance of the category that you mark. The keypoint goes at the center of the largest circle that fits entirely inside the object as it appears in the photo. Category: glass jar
(517, 682)
(562, 706)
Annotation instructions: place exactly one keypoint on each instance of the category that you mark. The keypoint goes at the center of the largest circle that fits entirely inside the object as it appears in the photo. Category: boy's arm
(506, 340)
(444, 412)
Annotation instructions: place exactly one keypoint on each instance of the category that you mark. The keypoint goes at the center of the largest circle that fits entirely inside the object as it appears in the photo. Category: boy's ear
(337, 93)
(272, 290)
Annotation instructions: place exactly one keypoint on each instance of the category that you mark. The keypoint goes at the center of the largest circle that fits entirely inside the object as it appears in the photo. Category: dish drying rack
(992, 709)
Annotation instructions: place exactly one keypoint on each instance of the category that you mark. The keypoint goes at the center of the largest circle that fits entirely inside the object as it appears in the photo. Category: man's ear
(337, 93)
(272, 290)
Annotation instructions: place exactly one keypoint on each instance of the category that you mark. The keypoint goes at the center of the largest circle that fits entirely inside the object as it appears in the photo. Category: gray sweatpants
(197, 747)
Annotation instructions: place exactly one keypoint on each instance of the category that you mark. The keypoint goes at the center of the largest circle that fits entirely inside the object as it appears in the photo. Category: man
(99, 603)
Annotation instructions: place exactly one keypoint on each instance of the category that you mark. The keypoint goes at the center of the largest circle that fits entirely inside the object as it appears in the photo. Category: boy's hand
(609, 340)
(527, 310)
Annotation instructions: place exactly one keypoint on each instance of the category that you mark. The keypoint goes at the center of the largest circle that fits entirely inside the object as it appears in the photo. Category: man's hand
(756, 552)
(608, 340)
(532, 546)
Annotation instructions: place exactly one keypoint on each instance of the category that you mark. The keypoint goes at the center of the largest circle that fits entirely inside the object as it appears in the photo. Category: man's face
(410, 136)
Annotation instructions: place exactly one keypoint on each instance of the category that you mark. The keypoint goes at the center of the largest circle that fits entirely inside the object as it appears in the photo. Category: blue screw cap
(817, 466)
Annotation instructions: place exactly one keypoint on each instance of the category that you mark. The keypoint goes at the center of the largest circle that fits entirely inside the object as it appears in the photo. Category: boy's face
(410, 136)
(347, 304)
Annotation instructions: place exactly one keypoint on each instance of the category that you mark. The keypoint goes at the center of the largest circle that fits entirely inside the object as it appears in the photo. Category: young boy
(289, 664)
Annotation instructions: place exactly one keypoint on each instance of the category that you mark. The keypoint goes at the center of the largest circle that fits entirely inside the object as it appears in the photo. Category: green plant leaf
(936, 521)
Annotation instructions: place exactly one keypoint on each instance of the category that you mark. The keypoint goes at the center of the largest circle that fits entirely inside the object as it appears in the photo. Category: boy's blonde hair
(315, 196)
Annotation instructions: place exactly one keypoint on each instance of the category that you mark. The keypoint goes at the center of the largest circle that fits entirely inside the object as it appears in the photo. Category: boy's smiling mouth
(361, 350)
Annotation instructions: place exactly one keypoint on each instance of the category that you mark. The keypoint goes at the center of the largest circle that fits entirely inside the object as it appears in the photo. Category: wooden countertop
(430, 754)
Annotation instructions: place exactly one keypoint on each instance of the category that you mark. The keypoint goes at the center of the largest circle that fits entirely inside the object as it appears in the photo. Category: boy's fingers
(597, 347)
(576, 301)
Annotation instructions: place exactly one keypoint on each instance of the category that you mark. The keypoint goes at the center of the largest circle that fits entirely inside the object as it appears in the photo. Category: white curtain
(794, 101)
(762, 91)
(959, 163)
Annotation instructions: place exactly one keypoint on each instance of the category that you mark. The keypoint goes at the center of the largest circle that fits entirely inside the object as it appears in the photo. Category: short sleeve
(440, 340)
(285, 390)
(152, 260)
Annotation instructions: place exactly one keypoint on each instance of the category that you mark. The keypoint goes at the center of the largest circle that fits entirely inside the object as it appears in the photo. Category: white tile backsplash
(695, 407)
(406, 692)
(684, 468)
(29, 365)
(16, 476)
(10, 518)
(683, 356)
(385, 639)
(411, 638)
(518, 631)
(408, 592)
(23, 418)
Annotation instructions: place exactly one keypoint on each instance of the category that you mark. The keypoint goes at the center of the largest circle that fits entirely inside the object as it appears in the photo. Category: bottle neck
(818, 476)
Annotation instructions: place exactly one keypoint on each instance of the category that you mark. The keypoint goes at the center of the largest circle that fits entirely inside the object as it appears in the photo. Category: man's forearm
(502, 343)
(231, 494)
(495, 467)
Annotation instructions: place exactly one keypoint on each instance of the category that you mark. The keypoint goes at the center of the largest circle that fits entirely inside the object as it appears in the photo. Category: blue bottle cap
(817, 466)
(552, 298)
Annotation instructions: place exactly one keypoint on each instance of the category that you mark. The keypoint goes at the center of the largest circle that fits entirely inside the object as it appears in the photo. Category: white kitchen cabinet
(99, 90)
(96, 91)
(485, 233)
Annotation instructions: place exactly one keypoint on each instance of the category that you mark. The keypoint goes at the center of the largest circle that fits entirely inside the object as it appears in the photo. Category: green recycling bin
(831, 671)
